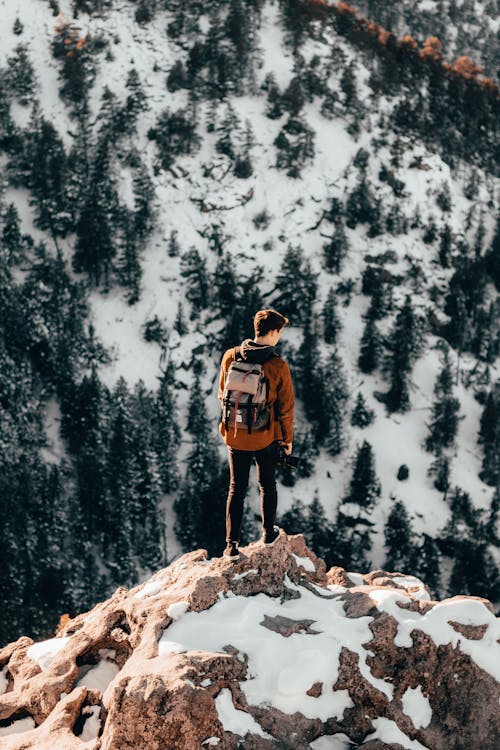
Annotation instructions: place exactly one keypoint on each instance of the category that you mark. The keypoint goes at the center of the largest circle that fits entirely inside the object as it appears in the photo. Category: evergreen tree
(200, 505)
(361, 416)
(317, 529)
(427, 564)
(129, 269)
(180, 324)
(335, 251)
(297, 285)
(489, 438)
(197, 289)
(296, 146)
(175, 134)
(364, 486)
(48, 178)
(293, 521)
(352, 532)
(12, 240)
(331, 322)
(445, 246)
(243, 167)
(18, 27)
(360, 206)
(122, 501)
(440, 470)
(309, 379)
(274, 107)
(399, 540)
(229, 128)
(144, 195)
(225, 285)
(405, 344)
(485, 343)
(21, 75)
(173, 244)
(444, 424)
(166, 431)
(370, 347)
(335, 394)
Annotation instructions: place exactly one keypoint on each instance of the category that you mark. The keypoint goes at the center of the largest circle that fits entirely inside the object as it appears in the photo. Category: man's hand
(287, 448)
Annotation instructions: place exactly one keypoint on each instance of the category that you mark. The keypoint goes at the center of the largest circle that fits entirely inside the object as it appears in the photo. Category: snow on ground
(44, 652)
(235, 720)
(281, 670)
(416, 705)
(98, 676)
(388, 731)
(436, 623)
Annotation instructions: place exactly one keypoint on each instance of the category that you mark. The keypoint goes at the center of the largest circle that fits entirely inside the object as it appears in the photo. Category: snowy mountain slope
(294, 207)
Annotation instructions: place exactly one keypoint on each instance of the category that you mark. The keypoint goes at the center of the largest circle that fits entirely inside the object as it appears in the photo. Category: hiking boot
(232, 551)
(270, 538)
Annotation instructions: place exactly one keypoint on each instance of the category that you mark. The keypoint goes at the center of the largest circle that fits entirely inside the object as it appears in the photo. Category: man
(261, 444)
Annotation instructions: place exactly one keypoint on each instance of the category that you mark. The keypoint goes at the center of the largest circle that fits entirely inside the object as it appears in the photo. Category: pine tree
(18, 27)
(444, 424)
(173, 244)
(199, 506)
(352, 538)
(122, 501)
(293, 521)
(128, 265)
(197, 288)
(317, 529)
(225, 285)
(399, 540)
(228, 129)
(361, 416)
(370, 347)
(274, 108)
(243, 167)
(485, 343)
(335, 251)
(48, 178)
(166, 431)
(180, 324)
(364, 486)
(335, 394)
(427, 564)
(405, 343)
(309, 379)
(12, 241)
(331, 322)
(297, 285)
(440, 470)
(21, 75)
(489, 439)
(445, 246)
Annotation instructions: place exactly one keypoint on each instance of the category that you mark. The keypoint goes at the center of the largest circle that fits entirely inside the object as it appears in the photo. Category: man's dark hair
(268, 320)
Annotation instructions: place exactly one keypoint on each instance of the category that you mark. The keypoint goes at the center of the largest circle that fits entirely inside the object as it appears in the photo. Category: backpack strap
(237, 354)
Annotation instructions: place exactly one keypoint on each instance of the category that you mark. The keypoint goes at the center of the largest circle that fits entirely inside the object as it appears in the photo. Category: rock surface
(271, 651)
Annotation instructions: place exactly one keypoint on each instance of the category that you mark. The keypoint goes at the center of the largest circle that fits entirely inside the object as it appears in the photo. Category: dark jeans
(239, 469)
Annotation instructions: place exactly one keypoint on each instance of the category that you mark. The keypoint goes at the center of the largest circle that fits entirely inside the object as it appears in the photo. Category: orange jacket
(280, 397)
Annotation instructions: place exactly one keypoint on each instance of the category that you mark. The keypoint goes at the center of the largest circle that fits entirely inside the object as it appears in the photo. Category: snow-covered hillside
(257, 218)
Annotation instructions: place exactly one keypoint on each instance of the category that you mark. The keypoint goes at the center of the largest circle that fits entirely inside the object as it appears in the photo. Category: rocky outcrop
(271, 651)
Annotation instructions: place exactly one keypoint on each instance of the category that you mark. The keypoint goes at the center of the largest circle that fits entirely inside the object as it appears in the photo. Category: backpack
(244, 401)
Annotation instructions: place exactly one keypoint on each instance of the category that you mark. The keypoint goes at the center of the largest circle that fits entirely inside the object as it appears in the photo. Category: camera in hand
(286, 460)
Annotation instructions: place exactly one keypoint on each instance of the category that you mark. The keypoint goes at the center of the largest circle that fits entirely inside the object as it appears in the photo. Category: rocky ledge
(271, 651)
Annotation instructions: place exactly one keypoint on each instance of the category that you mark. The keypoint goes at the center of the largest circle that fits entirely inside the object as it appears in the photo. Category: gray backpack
(244, 401)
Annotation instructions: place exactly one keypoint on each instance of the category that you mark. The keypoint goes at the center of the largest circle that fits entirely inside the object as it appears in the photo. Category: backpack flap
(244, 377)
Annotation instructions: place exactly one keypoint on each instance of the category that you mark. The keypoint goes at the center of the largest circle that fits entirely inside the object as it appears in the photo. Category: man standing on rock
(257, 400)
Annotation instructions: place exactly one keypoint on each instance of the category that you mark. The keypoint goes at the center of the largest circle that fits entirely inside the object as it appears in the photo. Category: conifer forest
(168, 168)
